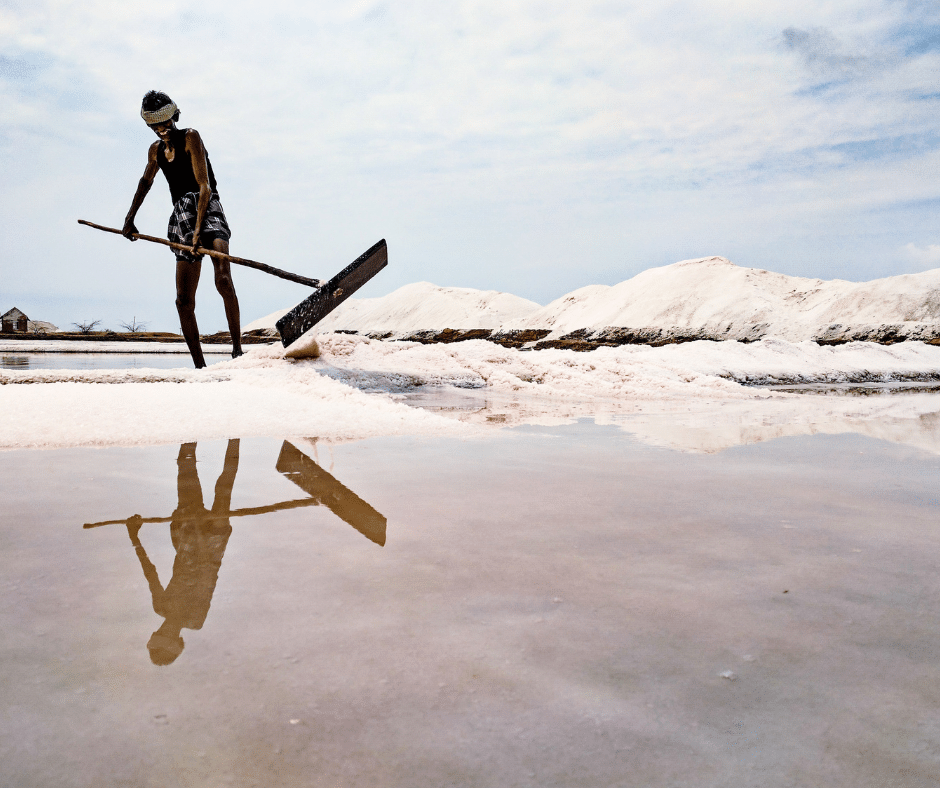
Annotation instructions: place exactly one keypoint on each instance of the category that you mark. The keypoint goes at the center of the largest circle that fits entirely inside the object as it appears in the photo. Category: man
(197, 217)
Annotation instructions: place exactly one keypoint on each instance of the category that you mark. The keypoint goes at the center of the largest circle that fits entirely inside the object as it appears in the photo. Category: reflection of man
(199, 536)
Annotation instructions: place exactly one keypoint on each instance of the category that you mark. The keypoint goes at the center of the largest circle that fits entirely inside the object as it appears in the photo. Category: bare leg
(222, 503)
(188, 488)
(187, 278)
(226, 288)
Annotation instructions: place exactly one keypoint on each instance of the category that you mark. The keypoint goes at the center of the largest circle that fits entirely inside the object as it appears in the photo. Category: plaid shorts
(183, 224)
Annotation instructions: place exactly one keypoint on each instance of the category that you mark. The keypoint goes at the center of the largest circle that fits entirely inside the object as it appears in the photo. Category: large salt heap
(420, 307)
(712, 298)
(707, 298)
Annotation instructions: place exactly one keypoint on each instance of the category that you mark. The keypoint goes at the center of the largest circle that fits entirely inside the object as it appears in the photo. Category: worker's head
(159, 112)
(164, 649)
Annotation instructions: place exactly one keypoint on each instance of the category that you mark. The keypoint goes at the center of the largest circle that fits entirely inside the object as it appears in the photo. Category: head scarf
(161, 115)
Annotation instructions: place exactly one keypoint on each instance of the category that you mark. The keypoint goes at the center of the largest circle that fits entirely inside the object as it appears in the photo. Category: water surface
(107, 360)
(548, 607)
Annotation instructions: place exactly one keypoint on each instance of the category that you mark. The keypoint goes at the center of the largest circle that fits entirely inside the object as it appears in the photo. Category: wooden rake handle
(268, 269)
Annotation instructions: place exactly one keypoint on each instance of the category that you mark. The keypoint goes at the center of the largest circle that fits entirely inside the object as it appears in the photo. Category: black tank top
(179, 172)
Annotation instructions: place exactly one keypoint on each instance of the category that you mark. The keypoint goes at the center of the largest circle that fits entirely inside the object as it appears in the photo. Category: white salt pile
(420, 306)
(716, 295)
(710, 294)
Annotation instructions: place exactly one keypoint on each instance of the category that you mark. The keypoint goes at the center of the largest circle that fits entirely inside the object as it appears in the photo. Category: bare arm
(197, 154)
(150, 571)
(150, 172)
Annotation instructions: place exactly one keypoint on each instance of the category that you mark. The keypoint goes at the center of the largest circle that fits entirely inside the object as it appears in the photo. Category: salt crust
(263, 393)
(265, 396)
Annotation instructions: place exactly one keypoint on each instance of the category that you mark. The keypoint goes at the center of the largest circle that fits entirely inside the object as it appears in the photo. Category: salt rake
(326, 296)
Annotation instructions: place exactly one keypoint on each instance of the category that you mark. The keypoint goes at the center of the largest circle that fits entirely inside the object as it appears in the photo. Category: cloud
(921, 258)
(821, 53)
(17, 68)
(924, 39)
(532, 146)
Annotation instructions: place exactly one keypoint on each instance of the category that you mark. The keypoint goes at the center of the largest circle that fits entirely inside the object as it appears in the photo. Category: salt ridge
(419, 306)
(714, 294)
(710, 293)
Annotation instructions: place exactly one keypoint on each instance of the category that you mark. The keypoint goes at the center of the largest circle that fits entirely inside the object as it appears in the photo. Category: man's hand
(195, 244)
(130, 229)
(133, 526)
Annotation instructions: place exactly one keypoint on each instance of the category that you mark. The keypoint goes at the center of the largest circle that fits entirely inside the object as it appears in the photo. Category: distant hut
(14, 321)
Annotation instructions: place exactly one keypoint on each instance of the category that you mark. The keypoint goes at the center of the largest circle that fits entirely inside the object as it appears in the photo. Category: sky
(528, 147)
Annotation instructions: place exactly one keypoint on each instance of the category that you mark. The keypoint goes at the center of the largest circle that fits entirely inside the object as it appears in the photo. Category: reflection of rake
(324, 489)
(317, 305)
(340, 500)
(246, 512)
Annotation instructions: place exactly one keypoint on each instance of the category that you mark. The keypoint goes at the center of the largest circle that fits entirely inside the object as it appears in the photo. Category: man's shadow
(200, 536)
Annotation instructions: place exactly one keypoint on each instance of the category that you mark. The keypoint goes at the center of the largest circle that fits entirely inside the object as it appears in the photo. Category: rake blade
(321, 302)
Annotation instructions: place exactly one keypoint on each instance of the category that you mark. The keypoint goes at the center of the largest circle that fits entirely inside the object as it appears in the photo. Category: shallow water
(547, 607)
(24, 361)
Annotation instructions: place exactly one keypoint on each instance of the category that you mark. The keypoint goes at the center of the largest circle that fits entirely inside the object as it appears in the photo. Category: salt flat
(359, 388)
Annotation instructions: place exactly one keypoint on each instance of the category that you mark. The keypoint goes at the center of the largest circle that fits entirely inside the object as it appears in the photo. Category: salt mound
(268, 321)
(710, 296)
(723, 299)
(420, 306)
